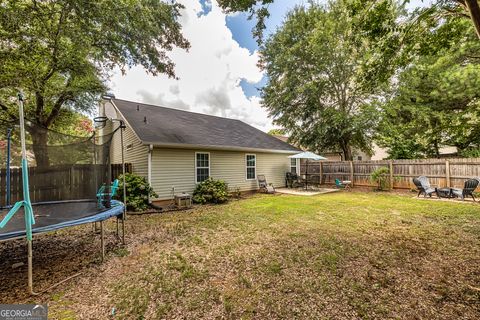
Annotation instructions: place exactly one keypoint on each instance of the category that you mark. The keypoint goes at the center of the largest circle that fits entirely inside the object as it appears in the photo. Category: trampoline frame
(28, 210)
(115, 211)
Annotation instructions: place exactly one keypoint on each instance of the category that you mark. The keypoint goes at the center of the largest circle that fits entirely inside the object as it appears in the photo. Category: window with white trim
(251, 165)
(202, 166)
(294, 166)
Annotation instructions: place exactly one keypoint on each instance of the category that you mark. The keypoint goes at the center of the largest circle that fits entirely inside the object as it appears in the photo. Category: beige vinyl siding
(137, 155)
(176, 168)
(172, 168)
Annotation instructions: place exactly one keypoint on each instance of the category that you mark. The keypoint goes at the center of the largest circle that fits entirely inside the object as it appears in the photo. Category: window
(359, 158)
(202, 166)
(129, 146)
(251, 164)
(293, 166)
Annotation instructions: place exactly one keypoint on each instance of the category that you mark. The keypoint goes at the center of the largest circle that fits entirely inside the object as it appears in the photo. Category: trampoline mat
(50, 216)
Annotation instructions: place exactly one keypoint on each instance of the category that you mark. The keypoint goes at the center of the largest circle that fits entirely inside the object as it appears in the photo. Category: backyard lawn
(345, 255)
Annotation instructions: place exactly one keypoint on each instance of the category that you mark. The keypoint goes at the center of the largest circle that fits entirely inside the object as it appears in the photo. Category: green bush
(470, 153)
(138, 191)
(380, 177)
(211, 191)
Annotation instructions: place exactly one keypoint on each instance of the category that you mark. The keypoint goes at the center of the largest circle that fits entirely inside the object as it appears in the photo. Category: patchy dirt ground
(345, 255)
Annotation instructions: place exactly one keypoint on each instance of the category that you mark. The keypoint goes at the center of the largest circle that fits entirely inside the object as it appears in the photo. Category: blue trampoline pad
(50, 216)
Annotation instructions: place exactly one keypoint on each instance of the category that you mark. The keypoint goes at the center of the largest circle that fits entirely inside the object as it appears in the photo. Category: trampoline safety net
(62, 167)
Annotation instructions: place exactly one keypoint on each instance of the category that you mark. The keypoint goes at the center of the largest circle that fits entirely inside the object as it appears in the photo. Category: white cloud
(210, 72)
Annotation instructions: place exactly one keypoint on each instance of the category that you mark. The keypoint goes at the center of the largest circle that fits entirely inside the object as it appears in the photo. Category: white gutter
(216, 147)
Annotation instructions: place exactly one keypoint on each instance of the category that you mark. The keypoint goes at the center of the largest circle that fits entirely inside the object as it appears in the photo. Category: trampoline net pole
(102, 240)
(30, 267)
(124, 216)
(8, 195)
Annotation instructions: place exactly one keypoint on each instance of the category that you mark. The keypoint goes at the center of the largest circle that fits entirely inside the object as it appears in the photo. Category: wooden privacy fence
(64, 182)
(441, 172)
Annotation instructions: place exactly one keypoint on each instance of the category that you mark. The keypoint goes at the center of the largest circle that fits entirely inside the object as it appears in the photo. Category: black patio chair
(468, 189)
(297, 180)
(423, 186)
(289, 179)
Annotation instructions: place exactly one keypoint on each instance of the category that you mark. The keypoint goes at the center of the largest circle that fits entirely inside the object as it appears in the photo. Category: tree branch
(64, 97)
(461, 2)
(474, 11)
(6, 109)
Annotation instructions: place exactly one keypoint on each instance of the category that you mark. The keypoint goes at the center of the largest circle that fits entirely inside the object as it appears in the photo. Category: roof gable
(173, 127)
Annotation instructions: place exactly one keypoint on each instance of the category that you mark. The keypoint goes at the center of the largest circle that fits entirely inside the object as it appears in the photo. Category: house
(176, 149)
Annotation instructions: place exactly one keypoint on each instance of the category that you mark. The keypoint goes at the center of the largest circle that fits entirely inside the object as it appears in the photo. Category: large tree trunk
(474, 11)
(347, 153)
(40, 150)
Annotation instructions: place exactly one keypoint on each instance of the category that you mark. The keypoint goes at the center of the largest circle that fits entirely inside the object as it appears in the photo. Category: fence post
(390, 165)
(351, 172)
(320, 171)
(447, 173)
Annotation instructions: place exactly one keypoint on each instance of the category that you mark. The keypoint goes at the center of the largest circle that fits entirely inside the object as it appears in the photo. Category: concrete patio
(303, 192)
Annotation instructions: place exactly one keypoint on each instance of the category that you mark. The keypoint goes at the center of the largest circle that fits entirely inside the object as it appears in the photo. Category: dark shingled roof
(173, 127)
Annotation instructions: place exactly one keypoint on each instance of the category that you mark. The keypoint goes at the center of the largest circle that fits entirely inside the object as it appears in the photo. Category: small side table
(347, 184)
(183, 200)
(444, 192)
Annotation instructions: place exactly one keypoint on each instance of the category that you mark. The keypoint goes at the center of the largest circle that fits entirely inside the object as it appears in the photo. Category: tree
(276, 132)
(435, 100)
(469, 9)
(60, 53)
(324, 67)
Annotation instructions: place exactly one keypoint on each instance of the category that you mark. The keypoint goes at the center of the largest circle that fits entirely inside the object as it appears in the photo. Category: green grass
(345, 255)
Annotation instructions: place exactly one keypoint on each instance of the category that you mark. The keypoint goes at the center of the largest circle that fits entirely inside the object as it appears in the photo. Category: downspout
(149, 168)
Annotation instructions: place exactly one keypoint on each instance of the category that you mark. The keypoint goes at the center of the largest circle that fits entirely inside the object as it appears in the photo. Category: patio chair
(298, 181)
(263, 185)
(105, 197)
(468, 189)
(339, 184)
(423, 186)
(289, 179)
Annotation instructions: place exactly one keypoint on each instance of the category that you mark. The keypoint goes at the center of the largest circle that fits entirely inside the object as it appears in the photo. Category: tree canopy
(324, 66)
(434, 101)
(276, 132)
(60, 53)
(467, 9)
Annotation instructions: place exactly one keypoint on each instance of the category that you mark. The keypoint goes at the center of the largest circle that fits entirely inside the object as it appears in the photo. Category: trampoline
(55, 215)
(60, 180)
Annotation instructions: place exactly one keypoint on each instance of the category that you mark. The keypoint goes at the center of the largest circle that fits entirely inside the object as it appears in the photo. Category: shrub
(380, 177)
(470, 153)
(138, 192)
(211, 191)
